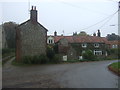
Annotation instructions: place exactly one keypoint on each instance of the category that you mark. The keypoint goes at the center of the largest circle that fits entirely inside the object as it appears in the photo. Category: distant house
(31, 37)
(114, 44)
(50, 40)
(75, 46)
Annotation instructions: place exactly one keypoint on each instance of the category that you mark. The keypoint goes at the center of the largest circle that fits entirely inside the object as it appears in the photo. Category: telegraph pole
(119, 18)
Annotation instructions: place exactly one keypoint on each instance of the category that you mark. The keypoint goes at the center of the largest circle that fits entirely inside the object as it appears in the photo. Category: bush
(88, 55)
(50, 53)
(27, 59)
(7, 50)
(56, 59)
(42, 59)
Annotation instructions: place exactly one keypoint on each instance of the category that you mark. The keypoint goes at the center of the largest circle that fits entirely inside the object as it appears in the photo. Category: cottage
(31, 37)
(75, 46)
(114, 44)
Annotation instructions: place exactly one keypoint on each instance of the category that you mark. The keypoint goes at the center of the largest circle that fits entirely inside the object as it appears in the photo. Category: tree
(88, 55)
(112, 37)
(82, 33)
(10, 33)
(50, 53)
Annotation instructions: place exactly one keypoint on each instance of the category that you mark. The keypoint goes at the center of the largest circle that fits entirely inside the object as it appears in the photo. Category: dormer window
(50, 41)
(96, 45)
(84, 45)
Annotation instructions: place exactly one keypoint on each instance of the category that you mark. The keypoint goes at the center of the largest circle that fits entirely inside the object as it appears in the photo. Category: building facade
(75, 46)
(31, 37)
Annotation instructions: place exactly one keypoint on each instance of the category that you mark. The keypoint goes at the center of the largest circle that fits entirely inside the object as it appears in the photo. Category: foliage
(88, 55)
(50, 53)
(82, 33)
(113, 36)
(10, 33)
(42, 59)
(115, 67)
(56, 59)
(7, 50)
(55, 48)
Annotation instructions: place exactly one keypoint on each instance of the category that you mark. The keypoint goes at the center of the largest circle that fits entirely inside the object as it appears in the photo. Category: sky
(65, 16)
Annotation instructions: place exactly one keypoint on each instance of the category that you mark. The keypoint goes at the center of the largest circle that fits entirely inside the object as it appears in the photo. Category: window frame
(84, 45)
(98, 52)
(96, 45)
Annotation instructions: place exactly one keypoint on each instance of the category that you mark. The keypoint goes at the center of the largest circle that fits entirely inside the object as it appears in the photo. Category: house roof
(82, 39)
(113, 42)
(30, 21)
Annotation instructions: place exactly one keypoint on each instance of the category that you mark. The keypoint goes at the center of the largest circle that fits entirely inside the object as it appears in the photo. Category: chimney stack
(55, 33)
(99, 34)
(33, 14)
(94, 34)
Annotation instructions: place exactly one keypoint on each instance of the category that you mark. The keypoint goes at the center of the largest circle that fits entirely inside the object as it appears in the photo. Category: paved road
(75, 75)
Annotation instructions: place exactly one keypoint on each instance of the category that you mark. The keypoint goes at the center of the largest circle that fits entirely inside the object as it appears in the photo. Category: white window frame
(97, 52)
(96, 44)
(84, 45)
(115, 46)
(50, 41)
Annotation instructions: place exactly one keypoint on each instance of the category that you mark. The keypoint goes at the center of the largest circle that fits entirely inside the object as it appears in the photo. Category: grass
(7, 59)
(115, 67)
(15, 63)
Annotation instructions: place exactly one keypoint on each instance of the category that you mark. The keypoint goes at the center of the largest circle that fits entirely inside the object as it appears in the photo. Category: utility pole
(119, 18)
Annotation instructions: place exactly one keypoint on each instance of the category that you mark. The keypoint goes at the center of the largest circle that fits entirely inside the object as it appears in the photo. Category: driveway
(74, 75)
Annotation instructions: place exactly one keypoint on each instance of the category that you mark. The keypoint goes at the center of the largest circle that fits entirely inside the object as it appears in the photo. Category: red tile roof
(82, 39)
(113, 42)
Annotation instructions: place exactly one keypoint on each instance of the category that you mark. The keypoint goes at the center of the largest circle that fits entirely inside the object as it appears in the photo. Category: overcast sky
(65, 16)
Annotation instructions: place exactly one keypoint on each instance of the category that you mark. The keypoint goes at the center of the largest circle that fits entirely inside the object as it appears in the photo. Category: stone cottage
(31, 37)
(75, 46)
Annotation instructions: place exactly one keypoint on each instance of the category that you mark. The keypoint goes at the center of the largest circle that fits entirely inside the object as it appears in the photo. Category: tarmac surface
(72, 75)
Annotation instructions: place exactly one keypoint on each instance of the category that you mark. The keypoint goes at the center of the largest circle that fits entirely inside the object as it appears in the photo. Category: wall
(32, 39)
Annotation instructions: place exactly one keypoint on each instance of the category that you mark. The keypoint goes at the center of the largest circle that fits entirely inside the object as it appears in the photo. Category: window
(114, 46)
(51, 41)
(96, 45)
(97, 52)
(84, 45)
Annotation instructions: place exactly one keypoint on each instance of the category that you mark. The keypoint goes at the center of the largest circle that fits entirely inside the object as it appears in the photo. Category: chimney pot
(33, 14)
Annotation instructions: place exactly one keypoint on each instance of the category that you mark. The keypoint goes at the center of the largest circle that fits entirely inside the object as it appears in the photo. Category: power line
(99, 21)
(83, 8)
(108, 20)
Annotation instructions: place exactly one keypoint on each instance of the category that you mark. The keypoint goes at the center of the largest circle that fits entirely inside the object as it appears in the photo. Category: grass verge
(115, 67)
(15, 63)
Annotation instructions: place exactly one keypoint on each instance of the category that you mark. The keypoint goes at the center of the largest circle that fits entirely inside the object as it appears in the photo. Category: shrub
(27, 59)
(7, 50)
(88, 55)
(50, 53)
(56, 59)
(42, 59)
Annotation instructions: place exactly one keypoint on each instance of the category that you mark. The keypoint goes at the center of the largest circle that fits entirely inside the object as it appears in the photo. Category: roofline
(37, 23)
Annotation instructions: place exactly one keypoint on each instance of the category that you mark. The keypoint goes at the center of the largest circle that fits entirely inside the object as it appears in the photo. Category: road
(74, 75)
